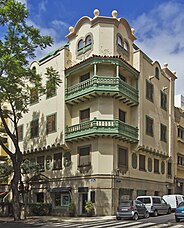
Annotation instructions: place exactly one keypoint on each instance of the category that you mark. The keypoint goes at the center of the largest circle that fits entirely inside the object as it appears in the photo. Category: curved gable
(127, 26)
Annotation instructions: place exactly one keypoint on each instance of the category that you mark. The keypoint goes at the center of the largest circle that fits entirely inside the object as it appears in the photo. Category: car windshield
(181, 204)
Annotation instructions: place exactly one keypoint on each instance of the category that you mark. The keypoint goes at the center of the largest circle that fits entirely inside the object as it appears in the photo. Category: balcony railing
(97, 84)
(97, 127)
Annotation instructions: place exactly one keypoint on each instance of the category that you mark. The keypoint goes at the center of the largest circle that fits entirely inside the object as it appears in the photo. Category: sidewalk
(42, 219)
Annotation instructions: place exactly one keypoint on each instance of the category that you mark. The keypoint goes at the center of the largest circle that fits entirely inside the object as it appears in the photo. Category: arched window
(120, 41)
(157, 73)
(88, 40)
(126, 46)
(80, 44)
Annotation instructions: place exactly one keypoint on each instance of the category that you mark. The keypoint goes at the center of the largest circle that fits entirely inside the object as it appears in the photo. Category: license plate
(124, 209)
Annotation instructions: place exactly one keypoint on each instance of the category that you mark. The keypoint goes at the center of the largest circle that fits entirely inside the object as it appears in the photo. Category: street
(153, 222)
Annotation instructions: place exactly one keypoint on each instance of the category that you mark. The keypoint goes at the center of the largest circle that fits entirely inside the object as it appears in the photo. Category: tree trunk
(15, 190)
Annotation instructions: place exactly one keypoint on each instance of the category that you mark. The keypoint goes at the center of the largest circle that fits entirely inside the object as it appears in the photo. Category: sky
(158, 24)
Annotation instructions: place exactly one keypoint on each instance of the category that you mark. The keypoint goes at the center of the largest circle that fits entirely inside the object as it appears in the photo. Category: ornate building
(107, 132)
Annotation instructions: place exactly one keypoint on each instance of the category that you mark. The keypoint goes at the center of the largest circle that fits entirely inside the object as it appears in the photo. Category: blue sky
(158, 24)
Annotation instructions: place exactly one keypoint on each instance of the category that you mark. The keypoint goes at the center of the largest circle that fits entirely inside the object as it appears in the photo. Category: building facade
(106, 133)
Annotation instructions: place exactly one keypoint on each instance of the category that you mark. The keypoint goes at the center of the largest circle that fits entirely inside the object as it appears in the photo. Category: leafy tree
(17, 47)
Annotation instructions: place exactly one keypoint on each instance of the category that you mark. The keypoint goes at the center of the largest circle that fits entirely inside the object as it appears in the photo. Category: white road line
(101, 224)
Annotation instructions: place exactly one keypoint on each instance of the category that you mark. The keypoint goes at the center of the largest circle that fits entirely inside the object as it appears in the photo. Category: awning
(61, 189)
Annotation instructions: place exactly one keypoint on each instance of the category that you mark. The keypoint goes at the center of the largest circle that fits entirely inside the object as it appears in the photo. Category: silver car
(155, 205)
(131, 209)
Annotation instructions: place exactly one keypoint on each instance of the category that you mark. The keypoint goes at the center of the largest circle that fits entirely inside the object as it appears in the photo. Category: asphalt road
(152, 222)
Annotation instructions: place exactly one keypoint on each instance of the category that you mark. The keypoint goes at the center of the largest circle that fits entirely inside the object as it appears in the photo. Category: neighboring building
(179, 101)
(179, 151)
(107, 132)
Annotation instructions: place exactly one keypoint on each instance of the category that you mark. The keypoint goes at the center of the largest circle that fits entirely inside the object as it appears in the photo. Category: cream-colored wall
(153, 109)
(46, 107)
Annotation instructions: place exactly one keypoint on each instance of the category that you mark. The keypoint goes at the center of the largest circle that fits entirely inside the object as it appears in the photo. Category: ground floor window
(141, 192)
(125, 194)
(61, 199)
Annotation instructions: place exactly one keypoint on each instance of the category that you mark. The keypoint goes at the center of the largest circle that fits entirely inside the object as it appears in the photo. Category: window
(57, 161)
(33, 96)
(141, 193)
(142, 162)
(84, 77)
(88, 40)
(40, 197)
(126, 46)
(51, 89)
(163, 131)
(51, 123)
(122, 115)
(157, 200)
(85, 115)
(134, 161)
(122, 158)
(156, 166)
(84, 156)
(181, 160)
(162, 167)
(157, 72)
(80, 44)
(169, 168)
(120, 41)
(149, 164)
(20, 132)
(149, 90)
(61, 199)
(40, 162)
(149, 126)
(48, 162)
(163, 100)
(181, 133)
(34, 128)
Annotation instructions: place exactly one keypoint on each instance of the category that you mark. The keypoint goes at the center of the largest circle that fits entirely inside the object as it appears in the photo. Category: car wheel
(169, 211)
(118, 218)
(146, 214)
(177, 219)
(135, 217)
(155, 213)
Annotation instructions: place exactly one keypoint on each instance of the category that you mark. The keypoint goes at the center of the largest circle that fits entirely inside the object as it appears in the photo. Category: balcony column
(117, 70)
(94, 69)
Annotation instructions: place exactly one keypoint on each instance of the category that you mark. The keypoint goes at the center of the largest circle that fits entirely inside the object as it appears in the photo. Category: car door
(140, 207)
(165, 206)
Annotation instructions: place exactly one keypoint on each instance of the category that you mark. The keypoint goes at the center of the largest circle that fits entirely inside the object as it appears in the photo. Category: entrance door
(84, 199)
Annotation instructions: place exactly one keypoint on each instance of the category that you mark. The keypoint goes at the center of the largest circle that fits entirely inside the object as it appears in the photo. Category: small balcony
(94, 128)
(99, 85)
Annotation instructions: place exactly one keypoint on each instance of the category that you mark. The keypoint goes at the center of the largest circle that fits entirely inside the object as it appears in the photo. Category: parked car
(179, 212)
(155, 205)
(173, 200)
(131, 209)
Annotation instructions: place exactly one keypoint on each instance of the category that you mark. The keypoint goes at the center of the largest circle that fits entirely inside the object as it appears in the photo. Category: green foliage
(18, 43)
(6, 169)
(40, 209)
(89, 207)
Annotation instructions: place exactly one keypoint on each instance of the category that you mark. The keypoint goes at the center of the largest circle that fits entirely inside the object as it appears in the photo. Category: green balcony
(94, 128)
(98, 85)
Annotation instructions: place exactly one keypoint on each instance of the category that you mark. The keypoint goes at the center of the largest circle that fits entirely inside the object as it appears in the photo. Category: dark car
(179, 212)
(131, 209)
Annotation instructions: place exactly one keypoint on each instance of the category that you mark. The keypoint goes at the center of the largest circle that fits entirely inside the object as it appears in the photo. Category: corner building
(107, 132)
